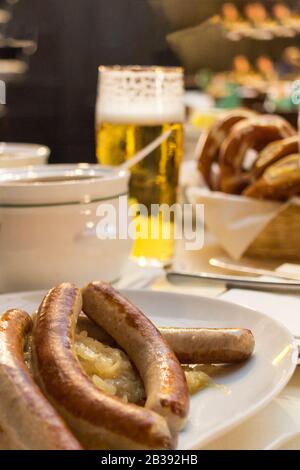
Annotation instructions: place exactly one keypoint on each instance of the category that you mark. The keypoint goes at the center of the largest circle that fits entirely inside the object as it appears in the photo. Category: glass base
(144, 262)
(154, 245)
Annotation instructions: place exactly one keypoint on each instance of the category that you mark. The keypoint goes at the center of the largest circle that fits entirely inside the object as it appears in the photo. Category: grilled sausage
(27, 420)
(97, 419)
(192, 345)
(210, 346)
(164, 381)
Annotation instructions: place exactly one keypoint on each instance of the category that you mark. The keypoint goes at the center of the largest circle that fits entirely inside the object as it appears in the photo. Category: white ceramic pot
(48, 229)
(21, 155)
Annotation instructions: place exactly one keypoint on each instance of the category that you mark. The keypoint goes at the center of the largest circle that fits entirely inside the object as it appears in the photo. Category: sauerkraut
(111, 370)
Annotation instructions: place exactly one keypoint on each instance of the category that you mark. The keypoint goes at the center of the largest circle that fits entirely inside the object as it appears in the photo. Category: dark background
(54, 104)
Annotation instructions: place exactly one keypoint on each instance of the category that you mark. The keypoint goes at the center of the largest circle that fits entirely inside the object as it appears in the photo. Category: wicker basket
(280, 239)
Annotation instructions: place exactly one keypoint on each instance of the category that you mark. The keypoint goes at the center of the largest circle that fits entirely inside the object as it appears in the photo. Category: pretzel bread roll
(279, 182)
(192, 345)
(275, 151)
(98, 419)
(208, 147)
(251, 134)
(164, 380)
(26, 417)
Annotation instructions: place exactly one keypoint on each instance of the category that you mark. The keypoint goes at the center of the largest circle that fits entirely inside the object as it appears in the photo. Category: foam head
(140, 95)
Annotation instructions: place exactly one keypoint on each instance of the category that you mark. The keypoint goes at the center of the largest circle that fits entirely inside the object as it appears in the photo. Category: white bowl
(21, 155)
(48, 229)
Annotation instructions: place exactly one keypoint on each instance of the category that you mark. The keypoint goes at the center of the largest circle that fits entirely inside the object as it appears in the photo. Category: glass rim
(140, 68)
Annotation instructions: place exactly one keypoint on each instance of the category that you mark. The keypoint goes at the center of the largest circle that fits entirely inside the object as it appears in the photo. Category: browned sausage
(26, 418)
(210, 346)
(193, 345)
(164, 380)
(99, 420)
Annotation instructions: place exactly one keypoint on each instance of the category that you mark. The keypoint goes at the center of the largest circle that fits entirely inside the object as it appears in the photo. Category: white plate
(14, 155)
(245, 388)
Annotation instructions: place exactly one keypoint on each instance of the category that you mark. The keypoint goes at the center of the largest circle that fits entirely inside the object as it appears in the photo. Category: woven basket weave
(280, 239)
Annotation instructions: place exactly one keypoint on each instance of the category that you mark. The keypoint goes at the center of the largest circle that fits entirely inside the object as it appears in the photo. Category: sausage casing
(26, 417)
(164, 380)
(192, 345)
(210, 346)
(98, 420)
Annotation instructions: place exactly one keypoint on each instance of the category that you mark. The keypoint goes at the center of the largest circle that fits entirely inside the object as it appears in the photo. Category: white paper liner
(236, 221)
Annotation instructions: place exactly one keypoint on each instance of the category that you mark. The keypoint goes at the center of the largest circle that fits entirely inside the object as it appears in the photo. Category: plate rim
(255, 408)
(230, 424)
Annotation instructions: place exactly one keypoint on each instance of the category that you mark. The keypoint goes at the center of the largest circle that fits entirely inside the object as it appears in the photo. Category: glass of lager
(136, 105)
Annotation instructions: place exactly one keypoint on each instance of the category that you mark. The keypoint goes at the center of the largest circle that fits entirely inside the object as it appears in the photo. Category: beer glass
(136, 105)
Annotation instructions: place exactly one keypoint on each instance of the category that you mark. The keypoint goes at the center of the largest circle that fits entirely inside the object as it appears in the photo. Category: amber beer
(139, 119)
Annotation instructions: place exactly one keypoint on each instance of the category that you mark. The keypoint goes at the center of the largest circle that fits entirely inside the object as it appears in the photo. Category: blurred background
(50, 51)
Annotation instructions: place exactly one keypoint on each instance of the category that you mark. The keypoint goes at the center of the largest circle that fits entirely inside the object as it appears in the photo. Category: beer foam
(150, 96)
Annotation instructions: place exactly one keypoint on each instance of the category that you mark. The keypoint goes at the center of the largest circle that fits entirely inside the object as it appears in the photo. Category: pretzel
(249, 135)
(208, 147)
(279, 182)
(274, 152)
